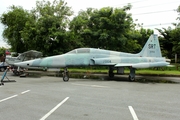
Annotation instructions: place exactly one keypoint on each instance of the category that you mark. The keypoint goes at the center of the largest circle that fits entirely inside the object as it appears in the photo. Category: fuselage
(89, 56)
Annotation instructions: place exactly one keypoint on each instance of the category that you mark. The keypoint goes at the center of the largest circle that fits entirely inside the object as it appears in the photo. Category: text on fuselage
(107, 61)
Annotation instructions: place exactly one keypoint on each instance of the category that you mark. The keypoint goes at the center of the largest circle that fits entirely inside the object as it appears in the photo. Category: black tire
(131, 78)
(66, 78)
(16, 73)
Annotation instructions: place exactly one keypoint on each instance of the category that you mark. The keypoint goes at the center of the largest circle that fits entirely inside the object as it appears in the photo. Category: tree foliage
(43, 28)
(137, 39)
(105, 28)
(170, 40)
(48, 28)
(52, 19)
(2, 51)
(14, 22)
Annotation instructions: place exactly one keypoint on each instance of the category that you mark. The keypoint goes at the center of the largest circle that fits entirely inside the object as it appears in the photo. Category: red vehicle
(8, 52)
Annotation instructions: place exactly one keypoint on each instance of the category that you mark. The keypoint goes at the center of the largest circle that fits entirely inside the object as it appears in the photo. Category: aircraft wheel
(16, 72)
(131, 78)
(66, 78)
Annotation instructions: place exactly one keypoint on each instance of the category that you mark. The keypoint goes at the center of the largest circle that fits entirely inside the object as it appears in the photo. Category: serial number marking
(152, 46)
(107, 61)
(152, 51)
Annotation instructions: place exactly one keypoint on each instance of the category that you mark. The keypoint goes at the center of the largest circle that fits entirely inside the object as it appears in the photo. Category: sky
(152, 13)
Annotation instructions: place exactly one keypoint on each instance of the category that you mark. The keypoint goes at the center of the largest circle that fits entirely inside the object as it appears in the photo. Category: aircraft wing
(116, 62)
(143, 65)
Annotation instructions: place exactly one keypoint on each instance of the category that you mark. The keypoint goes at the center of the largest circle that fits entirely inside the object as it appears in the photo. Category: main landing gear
(132, 74)
(65, 75)
(111, 74)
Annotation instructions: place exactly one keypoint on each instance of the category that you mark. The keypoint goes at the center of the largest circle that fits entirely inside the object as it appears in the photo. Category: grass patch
(150, 71)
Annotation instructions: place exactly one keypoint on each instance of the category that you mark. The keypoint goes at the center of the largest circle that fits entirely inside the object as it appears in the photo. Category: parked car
(8, 52)
(3, 66)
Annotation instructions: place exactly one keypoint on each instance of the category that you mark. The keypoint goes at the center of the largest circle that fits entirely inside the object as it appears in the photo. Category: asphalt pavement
(40, 98)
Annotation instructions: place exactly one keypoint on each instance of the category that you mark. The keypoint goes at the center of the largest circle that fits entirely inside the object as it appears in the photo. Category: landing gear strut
(65, 75)
(132, 74)
(111, 74)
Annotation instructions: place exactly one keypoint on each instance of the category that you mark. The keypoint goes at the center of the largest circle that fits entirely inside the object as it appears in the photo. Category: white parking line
(99, 86)
(56, 107)
(133, 113)
(13, 96)
(25, 91)
(8, 98)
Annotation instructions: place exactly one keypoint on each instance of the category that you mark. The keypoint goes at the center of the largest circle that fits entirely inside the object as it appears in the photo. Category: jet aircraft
(150, 56)
(28, 55)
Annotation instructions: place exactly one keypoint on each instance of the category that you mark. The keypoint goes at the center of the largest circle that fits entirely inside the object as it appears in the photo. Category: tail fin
(151, 48)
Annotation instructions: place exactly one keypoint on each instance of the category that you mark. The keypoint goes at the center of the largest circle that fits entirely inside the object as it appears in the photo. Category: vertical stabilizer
(151, 48)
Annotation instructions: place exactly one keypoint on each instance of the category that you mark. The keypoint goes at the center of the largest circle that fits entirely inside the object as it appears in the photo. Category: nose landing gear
(65, 75)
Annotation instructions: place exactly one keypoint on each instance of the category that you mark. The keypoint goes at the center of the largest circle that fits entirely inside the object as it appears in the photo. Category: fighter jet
(150, 56)
(28, 55)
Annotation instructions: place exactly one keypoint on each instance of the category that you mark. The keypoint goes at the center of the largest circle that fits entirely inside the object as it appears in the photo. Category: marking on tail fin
(151, 48)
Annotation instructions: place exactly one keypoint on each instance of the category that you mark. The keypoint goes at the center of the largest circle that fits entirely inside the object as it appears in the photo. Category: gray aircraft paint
(150, 56)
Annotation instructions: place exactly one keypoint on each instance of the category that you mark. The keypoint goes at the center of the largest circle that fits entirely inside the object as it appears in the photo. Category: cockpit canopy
(80, 50)
(29, 55)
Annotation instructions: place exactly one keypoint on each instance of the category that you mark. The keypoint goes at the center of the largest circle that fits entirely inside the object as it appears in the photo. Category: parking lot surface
(50, 98)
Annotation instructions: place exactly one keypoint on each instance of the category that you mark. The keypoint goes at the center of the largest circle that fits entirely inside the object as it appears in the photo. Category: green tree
(44, 28)
(14, 21)
(2, 51)
(137, 39)
(175, 36)
(166, 42)
(52, 20)
(105, 28)
(170, 39)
